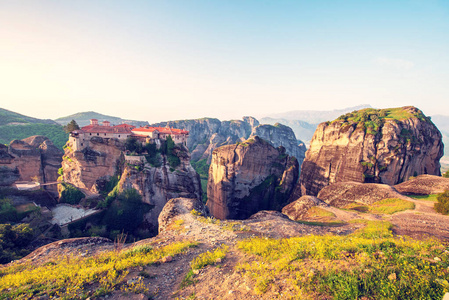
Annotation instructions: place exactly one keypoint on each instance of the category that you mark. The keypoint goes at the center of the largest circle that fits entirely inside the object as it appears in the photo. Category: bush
(12, 241)
(70, 194)
(126, 211)
(446, 175)
(442, 206)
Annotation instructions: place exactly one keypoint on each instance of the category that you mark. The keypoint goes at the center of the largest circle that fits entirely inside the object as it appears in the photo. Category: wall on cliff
(248, 177)
(378, 146)
(32, 158)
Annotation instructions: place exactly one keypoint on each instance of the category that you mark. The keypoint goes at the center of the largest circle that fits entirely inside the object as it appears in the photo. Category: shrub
(70, 194)
(442, 206)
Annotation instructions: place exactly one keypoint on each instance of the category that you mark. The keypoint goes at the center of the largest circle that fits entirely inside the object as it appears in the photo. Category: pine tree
(71, 126)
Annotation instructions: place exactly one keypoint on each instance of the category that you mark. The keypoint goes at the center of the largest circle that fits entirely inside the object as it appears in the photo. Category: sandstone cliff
(158, 185)
(380, 146)
(207, 134)
(32, 158)
(281, 135)
(92, 167)
(248, 177)
(87, 168)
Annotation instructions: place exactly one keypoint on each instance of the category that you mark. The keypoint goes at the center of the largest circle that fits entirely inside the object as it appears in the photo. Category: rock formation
(281, 135)
(92, 167)
(32, 158)
(342, 193)
(423, 185)
(207, 134)
(177, 207)
(381, 146)
(298, 209)
(248, 177)
(158, 185)
(87, 168)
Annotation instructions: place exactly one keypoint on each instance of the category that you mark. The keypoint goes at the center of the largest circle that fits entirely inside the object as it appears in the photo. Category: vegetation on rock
(70, 194)
(69, 277)
(369, 263)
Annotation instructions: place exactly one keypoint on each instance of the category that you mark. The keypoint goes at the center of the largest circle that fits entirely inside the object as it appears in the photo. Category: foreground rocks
(343, 193)
(372, 146)
(248, 177)
(298, 209)
(423, 185)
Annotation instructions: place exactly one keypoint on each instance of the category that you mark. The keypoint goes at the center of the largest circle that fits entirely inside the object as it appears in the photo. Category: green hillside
(14, 126)
(8, 117)
(83, 119)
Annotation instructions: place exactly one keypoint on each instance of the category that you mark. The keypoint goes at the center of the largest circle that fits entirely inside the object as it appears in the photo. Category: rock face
(207, 134)
(248, 177)
(92, 167)
(30, 158)
(87, 168)
(342, 193)
(281, 135)
(158, 185)
(380, 146)
(423, 185)
(177, 207)
(298, 209)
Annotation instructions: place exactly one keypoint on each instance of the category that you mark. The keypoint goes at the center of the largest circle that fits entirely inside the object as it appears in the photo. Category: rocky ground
(164, 280)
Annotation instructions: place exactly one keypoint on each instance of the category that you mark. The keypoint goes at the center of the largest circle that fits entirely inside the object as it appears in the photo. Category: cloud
(397, 63)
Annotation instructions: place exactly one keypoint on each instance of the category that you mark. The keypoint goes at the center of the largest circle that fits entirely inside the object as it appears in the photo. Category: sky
(169, 60)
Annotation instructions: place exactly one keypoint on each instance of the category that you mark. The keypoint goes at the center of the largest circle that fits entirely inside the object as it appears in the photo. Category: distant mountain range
(315, 116)
(83, 119)
(304, 122)
(8, 117)
(14, 126)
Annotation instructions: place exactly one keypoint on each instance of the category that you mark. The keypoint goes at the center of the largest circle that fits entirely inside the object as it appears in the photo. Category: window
(119, 135)
(90, 133)
(81, 144)
(98, 134)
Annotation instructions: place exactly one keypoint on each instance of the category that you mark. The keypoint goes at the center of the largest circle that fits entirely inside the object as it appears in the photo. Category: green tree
(446, 175)
(71, 126)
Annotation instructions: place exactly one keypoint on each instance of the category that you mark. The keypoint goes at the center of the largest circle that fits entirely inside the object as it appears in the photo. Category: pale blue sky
(163, 60)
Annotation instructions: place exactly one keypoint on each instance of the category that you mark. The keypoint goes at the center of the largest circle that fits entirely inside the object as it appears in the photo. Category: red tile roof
(123, 128)
(166, 130)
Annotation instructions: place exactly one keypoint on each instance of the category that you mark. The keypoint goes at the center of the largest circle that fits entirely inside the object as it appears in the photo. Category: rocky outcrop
(158, 185)
(423, 185)
(32, 158)
(380, 146)
(248, 177)
(92, 168)
(298, 209)
(177, 207)
(281, 135)
(207, 134)
(87, 168)
(343, 193)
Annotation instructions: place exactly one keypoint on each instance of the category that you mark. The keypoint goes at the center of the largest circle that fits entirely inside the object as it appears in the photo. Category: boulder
(423, 185)
(341, 194)
(297, 210)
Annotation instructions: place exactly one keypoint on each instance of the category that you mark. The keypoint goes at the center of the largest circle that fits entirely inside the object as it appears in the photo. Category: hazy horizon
(167, 60)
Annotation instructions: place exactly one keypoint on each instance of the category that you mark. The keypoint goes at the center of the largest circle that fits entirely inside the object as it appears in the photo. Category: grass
(67, 277)
(390, 206)
(386, 206)
(318, 212)
(202, 260)
(432, 197)
(317, 223)
(369, 263)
